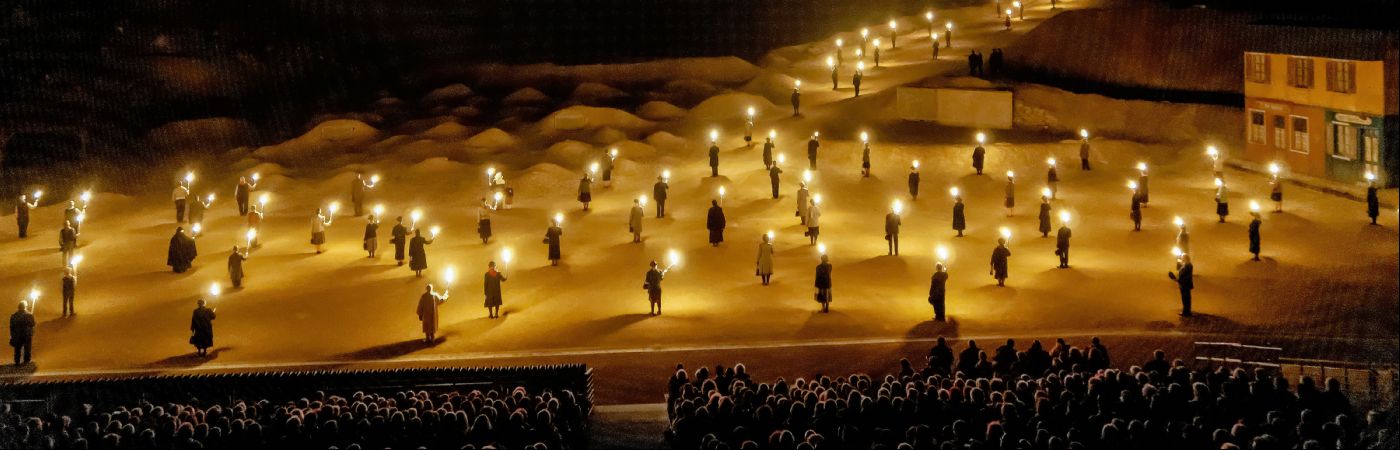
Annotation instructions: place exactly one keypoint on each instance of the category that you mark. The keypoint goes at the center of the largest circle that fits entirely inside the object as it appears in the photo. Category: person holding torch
(180, 193)
(1373, 200)
(182, 251)
(855, 79)
(242, 192)
(914, 181)
(653, 287)
(1136, 212)
(823, 282)
(319, 222)
(70, 285)
(22, 329)
(892, 223)
(1276, 187)
(796, 97)
(67, 240)
(491, 284)
(748, 127)
(552, 236)
(659, 191)
(1217, 161)
(1184, 278)
(358, 188)
(715, 223)
(813, 145)
(714, 153)
(959, 213)
(938, 286)
(198, 207)
(609, 160)
(235, 266)
(418, 251)
(371, 237)
(768, 147)
(1084, 150)
(22, 208)
(814, 215)
(764, 265)
(1052, 178)
(1222, 199)
(1044, 213)
(1142, 188)
(835, 74)
(775, 175)
(399, 237)
(979, 153)
(585, 186)
(483, 219)
(1183, 237)
(1062, 240)
(1001, 257)
(1010, 193)
(865, 155)
(255, 217)
(428, 305)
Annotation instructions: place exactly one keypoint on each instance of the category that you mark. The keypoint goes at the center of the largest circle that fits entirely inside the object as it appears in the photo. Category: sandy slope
(1325, 272)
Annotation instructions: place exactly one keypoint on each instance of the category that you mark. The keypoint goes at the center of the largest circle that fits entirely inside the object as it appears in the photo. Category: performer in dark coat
(70, 289)
(959, 215)
(492, 286)
(1084, 150)
(182, 251)
(551, 238)
(979, 158)
(634, 221)
(1136, 213)
(714, 159)
(764, 264)
(892, 224)
(1276, 192)
(1143, 191)
(72, 214)
(658, 192)
(1052, 180)
(812, 146)
(938, 291)
(197, 206)
(1185, 280)
(417, 253)
(865, 160)
(823, 284)
(768, 152)
(1373, 202)
(428, 304)
(774, 178)
(1062, 245)
(1000, 258)
(483, 219)
(585, 190)
(1010, 194)
(22, 333)
(371, 242)
(358, 187)
(835, 74)
(855, 79)
(179, 195)
(242, 193)
(202, 328)
(399, 237)
(653, 287)
(914, 182)
(1222, 199)
(797, 99)
(22, 208)
(235, 267)
(608, 161)
(1044, 217)
(1254, 237)
(715, 223)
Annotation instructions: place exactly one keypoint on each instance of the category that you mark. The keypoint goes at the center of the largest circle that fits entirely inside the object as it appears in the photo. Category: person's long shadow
(393, 350)
(931, 329)
(56, 325)
(18, 372)
(609, 325)
(189, 360)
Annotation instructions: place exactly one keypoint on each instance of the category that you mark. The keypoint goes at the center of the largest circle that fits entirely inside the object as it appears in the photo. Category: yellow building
(1322, 101)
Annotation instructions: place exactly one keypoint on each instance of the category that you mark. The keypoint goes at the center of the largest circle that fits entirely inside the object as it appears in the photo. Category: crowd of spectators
(514, 419)
(1063, 398)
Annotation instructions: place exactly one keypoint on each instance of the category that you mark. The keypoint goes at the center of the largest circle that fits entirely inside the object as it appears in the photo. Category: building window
(1300, 134)
(1371, 145)
(1341, 76)
(1300, 72)
(1257, 67)
(1344, 146)
(1280, 132)
(1257, 135)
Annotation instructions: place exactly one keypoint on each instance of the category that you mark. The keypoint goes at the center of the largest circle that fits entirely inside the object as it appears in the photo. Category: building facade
(1321, 101)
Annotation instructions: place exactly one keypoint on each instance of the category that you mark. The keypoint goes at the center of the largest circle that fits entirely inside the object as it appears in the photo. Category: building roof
(1321, 39)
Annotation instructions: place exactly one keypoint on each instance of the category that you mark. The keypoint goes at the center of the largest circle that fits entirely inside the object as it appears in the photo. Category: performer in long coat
(653, 287)
(182, 251)
(1183, 239)
(914, 182)
(492, 285)
(235, 267)
(634, 221)
(1052, 181)
(202, 328)
(70, 289)
(1136, 213)
(855, 80)
(371, 242)
(585, 190)
(1062, 245)
(1276, 192)
(764, 268)
(399, 237)
(22, 214)
(67, 241)
(1010, 196)
(1222, 199)
(551, 238)
(803, 202)
(814, 216)
(796, 101)
(659, 192)
(483, 220)
(774, 178)
(179, 195)
(768, 152)
(71, 214)
(418, 253)
(959, 216)
(823, 284)
(608, 161)
(358, 187)
(1373, 202)
(1084, 155)
(197, 208)
(22, 333)
(813, 145)
(1044, 217)
(714, 221)
(1185, 281)
(428, 305)
(1000, 259)
(255, 216)
(319, 222)
(892, 224)
(979, 158)
(1143, 192)
(714, 159)
(938, 292)
(1254, 236)
(865, 160)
